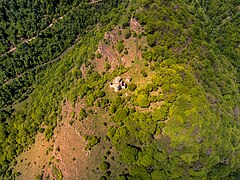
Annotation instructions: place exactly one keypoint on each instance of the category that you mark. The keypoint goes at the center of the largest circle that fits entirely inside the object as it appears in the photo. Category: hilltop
(141, 90)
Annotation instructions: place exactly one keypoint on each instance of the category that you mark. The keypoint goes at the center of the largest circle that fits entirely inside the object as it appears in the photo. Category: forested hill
(178, 117)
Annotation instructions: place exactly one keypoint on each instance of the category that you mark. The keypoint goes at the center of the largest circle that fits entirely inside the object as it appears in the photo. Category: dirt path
(42, 65)
(29, 40)
(54, 21)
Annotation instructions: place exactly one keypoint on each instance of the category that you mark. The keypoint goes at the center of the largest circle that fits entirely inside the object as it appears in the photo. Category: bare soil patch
(34, 161)
(109, 53)
(83, 69)
(136, 26)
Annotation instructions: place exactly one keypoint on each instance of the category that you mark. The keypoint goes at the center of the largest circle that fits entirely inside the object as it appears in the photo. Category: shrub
(102, 178)
(98, 55)
(97, 104)
(120, 115)
(142, 100)
(107, 66)
(91, 56)
(92, 141)
(112, 109)
(82, 114)
(127, 33)
(41, 130)
(140, 36)
(134, 34)
(120, 46)
(144, 73)
(104, 166)
(125, 52)
(105, 41)
(129, 154)
(132, 87)
(125, 22)
(100, 94)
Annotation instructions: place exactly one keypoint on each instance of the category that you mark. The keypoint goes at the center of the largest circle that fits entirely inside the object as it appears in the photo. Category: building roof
(117, 79)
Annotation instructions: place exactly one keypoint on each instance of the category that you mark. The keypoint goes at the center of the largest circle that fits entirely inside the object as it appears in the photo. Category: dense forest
(179, 118)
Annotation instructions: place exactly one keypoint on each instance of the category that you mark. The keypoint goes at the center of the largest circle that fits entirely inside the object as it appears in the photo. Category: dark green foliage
(127, 33)
(125, 21)
(41, 130)
(134, 34)
(125, 52)
(103, 178)
(132, 87)
(98, 55)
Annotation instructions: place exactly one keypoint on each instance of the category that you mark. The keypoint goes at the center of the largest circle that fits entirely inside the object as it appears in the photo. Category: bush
(125, 52)
(142, 100)
(120, 46)
(112, 109)
(144, 73)
(132, 87)
(100, 94)
(41, 130)
(127, 33)
(82, 114)
(92, 141)
(120, 115)
(107, 66)
(134, 34)
(98, 55)
(104, 166)
(97, 104)
(91, 56)
(102, 178)
(129, 154)
(125, 22)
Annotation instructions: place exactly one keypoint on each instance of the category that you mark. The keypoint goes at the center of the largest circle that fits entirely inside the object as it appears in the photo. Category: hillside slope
(176, 112)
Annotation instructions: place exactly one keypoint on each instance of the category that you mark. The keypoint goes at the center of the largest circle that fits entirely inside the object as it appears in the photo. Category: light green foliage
(49, 133)
(82, 114)
(142, 100)
(57, 174)
(144, 73)
(120, 46)
(129, 154)
(132, 87)
(139, 172)
(92, 141)
(190, 47)
(112, 109)
(127, 33)
(104, 166)
(107, 66)
(158, 174)
(145, 137)
(120, 115)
